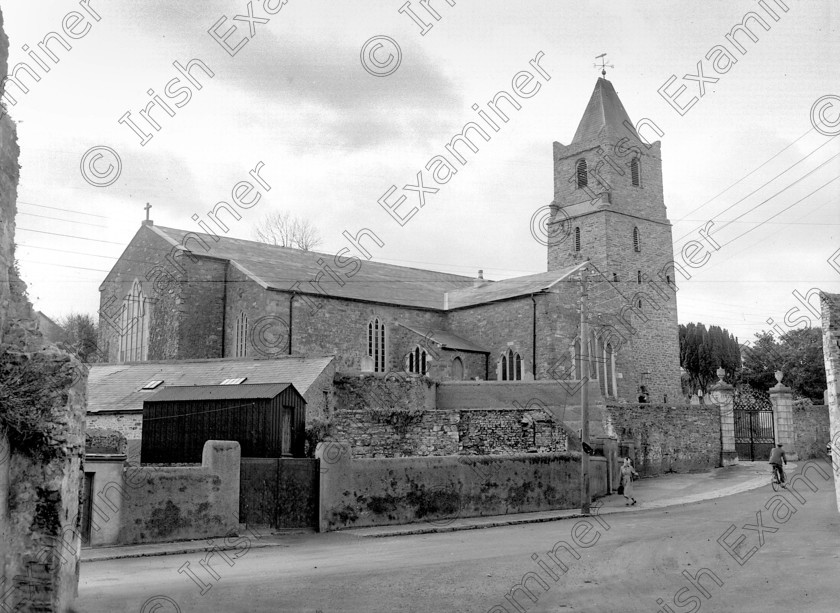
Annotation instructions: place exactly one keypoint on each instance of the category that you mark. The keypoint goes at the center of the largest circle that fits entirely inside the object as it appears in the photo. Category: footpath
(651, 493)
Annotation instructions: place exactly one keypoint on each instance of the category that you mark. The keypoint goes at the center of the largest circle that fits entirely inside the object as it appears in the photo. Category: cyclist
(777, 456)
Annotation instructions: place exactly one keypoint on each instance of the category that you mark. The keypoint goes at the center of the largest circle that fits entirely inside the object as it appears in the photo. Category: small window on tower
(637, 244)
(580, 169)
(636, 172)
(639, 277)
(577, 239)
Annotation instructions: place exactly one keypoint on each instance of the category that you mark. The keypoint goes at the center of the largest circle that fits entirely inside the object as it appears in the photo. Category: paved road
(789, 560)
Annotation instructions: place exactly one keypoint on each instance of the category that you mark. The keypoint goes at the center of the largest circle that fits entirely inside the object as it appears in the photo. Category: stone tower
(609, 208)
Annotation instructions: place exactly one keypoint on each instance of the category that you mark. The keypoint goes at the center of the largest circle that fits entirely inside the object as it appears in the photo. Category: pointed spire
(604, 116)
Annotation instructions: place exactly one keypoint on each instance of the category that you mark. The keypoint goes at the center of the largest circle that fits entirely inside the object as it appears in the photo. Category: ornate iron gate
(754, 433)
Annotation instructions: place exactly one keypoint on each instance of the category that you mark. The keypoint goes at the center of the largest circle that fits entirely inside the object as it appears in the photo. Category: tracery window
(376, 344)
(134, 326)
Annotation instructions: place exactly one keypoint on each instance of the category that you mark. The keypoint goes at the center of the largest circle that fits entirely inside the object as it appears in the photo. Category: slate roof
(509, 288)
(604, 116)
(446, 339)
(280, 267)
(116, 387)
(256, 391)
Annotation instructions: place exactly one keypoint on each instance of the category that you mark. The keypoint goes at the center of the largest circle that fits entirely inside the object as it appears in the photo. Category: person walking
(627, 474)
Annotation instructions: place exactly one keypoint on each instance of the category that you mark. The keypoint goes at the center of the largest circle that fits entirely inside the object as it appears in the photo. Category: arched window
(134, 326)
(241, 341)
(637, 244)
(376, 344)
(577, 239)
(610, 359)
(417, 361)
(636, 172)
(510, 366)
(457, 369)
(594, 356)
(580, 171)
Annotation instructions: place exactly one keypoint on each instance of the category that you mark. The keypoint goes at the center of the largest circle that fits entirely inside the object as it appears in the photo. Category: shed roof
(446, 339)
(255, 391)
(117, 387)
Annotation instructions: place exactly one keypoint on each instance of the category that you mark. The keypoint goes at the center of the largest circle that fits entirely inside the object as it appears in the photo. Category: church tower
(609, 208)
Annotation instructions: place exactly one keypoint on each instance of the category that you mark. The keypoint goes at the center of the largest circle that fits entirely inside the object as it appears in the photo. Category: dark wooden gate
(754, 433)
(279, 492)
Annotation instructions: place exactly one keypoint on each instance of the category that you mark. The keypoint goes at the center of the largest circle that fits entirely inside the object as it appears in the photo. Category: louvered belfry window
(636, 172)
(581, 171)
(637, 243)
(577, 239)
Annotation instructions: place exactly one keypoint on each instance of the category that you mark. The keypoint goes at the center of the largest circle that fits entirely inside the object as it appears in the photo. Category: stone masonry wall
(667, 438)
(42, 406)
(831, 352)
(810, 430)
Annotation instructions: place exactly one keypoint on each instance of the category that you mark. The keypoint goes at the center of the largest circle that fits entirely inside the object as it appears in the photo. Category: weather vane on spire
(603, 65)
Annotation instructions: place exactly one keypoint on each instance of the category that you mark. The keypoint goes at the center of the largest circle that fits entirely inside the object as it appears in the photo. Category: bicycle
(775, 482)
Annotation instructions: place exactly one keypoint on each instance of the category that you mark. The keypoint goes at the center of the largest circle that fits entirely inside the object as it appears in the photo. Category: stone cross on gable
(147, 208)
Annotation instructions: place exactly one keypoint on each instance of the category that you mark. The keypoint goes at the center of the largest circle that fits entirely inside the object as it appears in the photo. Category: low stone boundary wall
(156, 504)
(663, 438)
(384, 491)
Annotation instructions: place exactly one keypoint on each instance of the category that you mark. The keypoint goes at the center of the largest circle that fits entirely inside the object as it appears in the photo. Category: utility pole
(584, 399)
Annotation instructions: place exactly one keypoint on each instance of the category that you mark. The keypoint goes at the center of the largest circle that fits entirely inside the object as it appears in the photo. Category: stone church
(178, 294)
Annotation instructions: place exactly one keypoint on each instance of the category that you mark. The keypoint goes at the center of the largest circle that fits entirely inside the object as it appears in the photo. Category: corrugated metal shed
(266, 420)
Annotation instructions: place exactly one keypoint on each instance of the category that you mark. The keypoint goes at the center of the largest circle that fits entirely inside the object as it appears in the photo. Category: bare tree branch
(280, 228)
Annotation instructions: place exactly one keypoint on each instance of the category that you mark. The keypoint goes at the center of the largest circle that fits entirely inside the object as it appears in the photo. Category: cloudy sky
(334, 138)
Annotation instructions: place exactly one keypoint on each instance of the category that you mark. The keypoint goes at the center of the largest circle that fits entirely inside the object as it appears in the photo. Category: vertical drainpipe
(224, 307)
(291, 298)
(534, 340)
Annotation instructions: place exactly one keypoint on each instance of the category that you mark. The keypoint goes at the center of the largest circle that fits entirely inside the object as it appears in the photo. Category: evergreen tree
(703, 351)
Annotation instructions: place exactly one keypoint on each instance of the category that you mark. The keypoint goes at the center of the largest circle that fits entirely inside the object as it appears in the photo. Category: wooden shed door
(279, 492)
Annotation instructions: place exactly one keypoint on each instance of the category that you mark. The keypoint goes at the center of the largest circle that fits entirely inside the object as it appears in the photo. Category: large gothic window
(134, 326)
(510, 366)
(241, 341)
(376, 344)
(580, 173)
